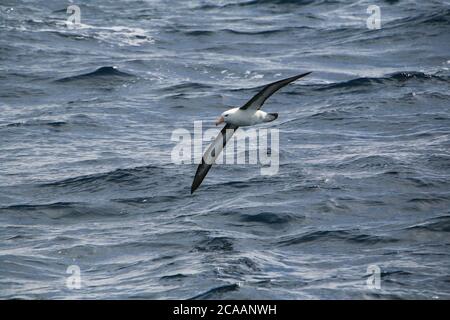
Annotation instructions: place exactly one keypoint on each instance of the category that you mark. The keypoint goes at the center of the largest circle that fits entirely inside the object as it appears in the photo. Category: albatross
(247, 115)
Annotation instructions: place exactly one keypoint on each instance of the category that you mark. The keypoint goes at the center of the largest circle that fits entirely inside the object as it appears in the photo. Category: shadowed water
(86, 177)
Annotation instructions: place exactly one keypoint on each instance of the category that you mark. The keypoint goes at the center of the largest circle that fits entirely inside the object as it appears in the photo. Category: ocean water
(86, 178)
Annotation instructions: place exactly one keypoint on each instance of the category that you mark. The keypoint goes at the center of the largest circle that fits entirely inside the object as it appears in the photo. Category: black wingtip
(194, 186)
(304, 74)
(202, 170)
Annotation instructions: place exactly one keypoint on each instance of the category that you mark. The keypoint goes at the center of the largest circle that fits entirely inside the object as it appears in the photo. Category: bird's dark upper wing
(211, 154)
(258, 100)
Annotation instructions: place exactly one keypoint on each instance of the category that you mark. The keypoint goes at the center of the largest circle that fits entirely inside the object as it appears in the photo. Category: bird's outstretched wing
(258, 100)
(211, 154)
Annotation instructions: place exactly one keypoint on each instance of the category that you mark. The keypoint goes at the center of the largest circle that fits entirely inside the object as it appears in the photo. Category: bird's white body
(248, 117)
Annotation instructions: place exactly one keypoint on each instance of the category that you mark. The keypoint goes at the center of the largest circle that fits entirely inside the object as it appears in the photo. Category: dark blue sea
(88, 188)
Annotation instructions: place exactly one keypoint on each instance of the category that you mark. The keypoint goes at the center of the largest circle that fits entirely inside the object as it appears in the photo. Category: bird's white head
(226, 116)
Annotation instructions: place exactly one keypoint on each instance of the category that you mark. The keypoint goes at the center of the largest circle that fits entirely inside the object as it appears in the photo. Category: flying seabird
(247, 115)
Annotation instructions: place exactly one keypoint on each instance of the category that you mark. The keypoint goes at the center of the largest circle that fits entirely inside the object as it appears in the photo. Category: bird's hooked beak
(219, 120)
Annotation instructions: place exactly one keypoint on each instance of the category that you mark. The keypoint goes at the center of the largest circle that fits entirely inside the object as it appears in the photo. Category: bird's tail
(271, 117)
